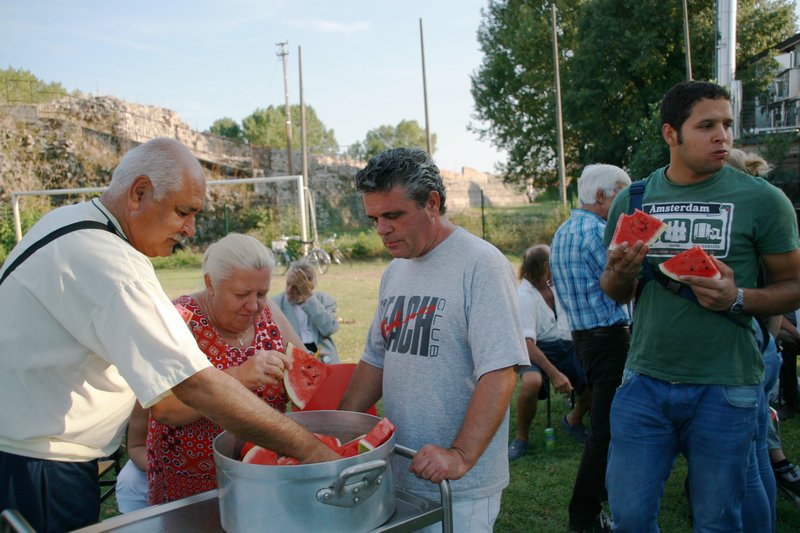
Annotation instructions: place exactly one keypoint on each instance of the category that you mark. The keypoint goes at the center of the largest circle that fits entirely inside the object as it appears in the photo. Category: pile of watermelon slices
(378, 435)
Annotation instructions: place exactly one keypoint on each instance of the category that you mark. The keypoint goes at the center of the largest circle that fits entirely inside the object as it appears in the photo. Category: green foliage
(267, 127)
(19, 86)
(513, 230)
(407, 133)
(651, 152)
(183, 258)
(362, 245)
(28, 217)
(227, 127)
(777, 147)
(617, 58)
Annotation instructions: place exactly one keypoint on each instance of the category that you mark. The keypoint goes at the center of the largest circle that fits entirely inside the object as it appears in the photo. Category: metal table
(200, 514)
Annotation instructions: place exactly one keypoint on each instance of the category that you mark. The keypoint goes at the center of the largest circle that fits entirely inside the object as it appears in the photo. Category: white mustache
(179, 237)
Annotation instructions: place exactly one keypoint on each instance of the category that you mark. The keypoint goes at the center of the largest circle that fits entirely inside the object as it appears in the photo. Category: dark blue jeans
(602, 352)
(53, 496)
(713, 426)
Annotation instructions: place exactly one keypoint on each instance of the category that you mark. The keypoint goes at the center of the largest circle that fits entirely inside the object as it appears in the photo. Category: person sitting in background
(311, 313)
(243, 333)
(131, 486)
(550, 348)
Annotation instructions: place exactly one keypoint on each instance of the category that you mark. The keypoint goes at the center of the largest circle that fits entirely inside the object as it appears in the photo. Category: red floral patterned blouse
(180, 459)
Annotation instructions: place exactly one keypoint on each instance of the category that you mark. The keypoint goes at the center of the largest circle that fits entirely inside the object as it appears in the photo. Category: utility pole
(686, 43)
(559, 127)
(282, 53)
(425, 91)
(303, 146)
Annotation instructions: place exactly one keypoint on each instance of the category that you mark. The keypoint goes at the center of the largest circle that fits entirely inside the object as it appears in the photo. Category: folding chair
(106, 465)
(11, 521)
(330, 393)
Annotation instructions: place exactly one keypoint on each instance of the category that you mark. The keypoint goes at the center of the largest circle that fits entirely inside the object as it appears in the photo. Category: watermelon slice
(285, 460)
(260, 456)
(186, 315)
(637, 227)
(692, 262)
(350, 449)
(305, 377)
(382, 431)
(330, 441)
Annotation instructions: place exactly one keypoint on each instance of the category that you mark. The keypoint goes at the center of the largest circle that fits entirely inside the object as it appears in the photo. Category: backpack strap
(53, 235)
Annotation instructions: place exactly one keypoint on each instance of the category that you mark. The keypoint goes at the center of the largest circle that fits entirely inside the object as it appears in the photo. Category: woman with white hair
(242, 333)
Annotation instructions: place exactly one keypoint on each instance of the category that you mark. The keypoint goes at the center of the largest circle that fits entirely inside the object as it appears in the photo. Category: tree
(514, 89)
(267, 127)
(631, 52)
(22, 87)
(407, 133)
(227, 127)
(618, 57)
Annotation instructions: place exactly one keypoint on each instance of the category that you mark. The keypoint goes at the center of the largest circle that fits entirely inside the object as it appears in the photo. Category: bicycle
(285, 254)
(337, 256)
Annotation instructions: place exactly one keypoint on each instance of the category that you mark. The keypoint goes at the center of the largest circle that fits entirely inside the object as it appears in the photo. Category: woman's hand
(263, 368)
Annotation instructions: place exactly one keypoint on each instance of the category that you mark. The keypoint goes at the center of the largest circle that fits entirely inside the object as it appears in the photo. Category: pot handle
(342, 495)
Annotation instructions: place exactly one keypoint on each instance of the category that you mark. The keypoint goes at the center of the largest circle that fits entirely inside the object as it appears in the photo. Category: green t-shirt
(735, 217)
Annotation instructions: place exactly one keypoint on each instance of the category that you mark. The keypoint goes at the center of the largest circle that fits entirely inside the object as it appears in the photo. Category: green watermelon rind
(615, 242)
(671, 274)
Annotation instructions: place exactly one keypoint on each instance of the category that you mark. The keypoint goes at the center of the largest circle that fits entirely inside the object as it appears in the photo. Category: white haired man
(600, 329)
(87, 329)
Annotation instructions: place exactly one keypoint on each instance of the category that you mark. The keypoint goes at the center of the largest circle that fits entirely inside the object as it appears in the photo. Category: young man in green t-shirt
(692, 377)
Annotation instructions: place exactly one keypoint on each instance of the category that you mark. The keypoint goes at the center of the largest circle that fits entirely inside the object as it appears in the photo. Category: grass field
(541, 482)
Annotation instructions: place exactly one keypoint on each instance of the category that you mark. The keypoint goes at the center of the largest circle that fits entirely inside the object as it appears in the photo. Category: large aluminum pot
(352, 494)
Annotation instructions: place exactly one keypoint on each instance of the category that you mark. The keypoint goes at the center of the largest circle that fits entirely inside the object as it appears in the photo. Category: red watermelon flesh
(305, 377)
(285, 460)
(382, 431)
(637, 227)
(330, 441)
(350, 449)
(260, 456)
(692, 262)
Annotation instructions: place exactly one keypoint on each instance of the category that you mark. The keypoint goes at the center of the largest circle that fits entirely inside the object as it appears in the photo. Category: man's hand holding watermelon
(622, 267)
(716, 294)
(263, 368)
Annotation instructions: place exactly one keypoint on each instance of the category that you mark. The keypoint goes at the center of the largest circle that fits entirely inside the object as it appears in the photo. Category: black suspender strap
(86, 224)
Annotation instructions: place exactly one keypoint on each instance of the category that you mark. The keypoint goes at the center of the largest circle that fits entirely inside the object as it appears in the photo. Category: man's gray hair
(163, 160)
(235, 252)
(600, 177)
(306, 267)
(411, 168)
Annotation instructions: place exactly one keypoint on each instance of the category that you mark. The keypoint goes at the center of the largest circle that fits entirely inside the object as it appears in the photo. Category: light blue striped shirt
(577, 259)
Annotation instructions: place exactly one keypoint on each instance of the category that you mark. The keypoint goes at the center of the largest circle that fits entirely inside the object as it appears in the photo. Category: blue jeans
(652, 421)
(758, 511)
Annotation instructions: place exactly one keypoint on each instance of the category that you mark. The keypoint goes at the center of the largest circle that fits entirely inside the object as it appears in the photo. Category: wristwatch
(736, 306)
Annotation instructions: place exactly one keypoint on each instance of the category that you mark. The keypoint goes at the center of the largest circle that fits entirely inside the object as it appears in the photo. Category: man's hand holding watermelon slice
(623, 265)
(714, 294)
(263, 368)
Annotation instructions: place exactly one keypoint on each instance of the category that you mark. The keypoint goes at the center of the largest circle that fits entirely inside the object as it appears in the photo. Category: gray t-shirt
(444, 320)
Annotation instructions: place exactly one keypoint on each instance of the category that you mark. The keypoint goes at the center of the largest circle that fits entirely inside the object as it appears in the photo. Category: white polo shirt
(84, 326)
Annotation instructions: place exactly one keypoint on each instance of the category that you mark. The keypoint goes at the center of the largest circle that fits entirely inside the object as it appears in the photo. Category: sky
(208, 59)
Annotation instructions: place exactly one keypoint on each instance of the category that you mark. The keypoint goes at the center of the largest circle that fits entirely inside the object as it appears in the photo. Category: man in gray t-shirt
(444, 344)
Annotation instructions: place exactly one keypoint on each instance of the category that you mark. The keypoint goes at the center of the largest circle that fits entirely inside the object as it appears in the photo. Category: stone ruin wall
(329, 175)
